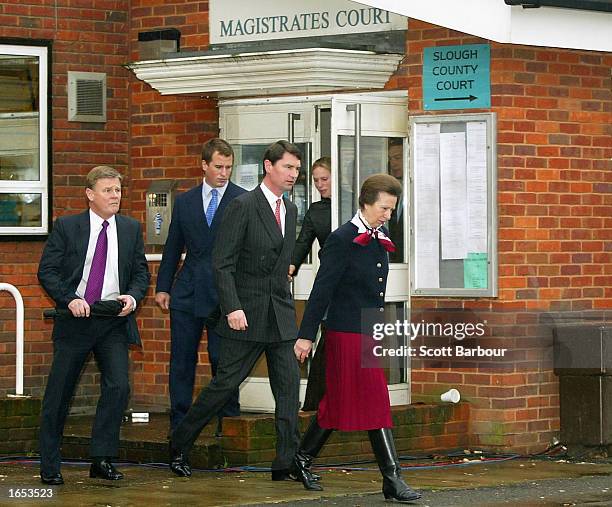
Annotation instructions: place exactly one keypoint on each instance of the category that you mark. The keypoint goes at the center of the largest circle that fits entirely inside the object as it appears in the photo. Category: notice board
(454, 207)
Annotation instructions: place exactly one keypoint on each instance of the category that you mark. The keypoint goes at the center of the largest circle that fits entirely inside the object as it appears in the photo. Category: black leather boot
(310, 446)
(394, 487)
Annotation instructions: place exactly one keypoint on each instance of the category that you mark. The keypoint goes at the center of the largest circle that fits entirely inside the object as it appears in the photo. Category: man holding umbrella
(90, 259)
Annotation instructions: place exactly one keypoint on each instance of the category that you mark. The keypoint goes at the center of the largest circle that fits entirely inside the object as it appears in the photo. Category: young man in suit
(251, 264)
(94, 256)
(190, 294)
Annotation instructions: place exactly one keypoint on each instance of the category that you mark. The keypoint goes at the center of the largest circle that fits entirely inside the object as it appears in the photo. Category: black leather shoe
(104, 469)
(289, 475)
(51, 479)
(179, 463)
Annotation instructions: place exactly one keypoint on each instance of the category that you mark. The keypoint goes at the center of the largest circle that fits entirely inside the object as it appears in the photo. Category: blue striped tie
(212, 206)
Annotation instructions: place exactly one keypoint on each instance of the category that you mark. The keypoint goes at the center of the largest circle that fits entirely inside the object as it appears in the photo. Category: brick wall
(555, 228)
(554, 180)
(189, 17)
(167, 133)
(87, 36)
(19, 425)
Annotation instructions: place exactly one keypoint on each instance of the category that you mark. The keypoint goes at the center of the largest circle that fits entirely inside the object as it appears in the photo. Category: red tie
(277, 215)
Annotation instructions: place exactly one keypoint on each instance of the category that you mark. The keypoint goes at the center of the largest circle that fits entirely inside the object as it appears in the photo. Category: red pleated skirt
(356, 398)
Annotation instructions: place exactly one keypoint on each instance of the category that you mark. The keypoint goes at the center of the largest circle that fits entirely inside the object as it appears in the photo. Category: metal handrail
(19, 344)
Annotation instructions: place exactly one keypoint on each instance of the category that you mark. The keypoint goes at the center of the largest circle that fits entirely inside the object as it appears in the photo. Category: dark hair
(220, 146)
(376, 184)
(101, 172)
(277, 150)
(324, 162)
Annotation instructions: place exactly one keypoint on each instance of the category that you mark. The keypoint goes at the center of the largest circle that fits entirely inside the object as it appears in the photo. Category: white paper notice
(427, 205)
(246, 176)
(453, 196)
(477, 187)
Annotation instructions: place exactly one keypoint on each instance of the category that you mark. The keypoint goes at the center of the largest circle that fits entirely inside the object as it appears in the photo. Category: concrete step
(250, 438)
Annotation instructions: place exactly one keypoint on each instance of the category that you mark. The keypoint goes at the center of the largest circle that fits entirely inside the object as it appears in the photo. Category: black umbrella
(98, 309)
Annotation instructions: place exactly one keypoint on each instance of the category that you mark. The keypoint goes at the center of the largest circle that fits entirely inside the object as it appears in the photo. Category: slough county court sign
(457, 77)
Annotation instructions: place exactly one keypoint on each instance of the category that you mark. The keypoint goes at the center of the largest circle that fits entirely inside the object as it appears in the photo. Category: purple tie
(93, 292)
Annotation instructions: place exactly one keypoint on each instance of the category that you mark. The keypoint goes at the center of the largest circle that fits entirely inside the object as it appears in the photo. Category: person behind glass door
(317, 225)
(91, 257)
(189, 292)
(396, 222)
(352, 277)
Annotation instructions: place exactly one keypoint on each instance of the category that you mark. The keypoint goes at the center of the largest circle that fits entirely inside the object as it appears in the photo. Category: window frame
(490, 119)
(42, 186)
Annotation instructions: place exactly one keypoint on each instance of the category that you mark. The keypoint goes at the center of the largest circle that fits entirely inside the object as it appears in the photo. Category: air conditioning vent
(87, 96)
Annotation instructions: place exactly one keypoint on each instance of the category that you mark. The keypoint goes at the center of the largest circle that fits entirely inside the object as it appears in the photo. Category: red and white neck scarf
(365, 233)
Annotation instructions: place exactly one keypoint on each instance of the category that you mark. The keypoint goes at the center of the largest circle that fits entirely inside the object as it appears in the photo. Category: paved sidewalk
(520, 482)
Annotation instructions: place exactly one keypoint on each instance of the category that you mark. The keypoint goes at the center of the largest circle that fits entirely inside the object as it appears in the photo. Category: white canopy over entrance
(494, 20)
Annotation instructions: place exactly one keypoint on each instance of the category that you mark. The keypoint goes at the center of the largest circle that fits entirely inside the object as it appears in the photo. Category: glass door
(250, 127)
(369, 135)
(372, 125)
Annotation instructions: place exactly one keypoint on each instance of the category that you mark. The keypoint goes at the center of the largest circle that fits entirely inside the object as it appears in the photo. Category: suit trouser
(237, 359)
(186, 331)
(78, 337)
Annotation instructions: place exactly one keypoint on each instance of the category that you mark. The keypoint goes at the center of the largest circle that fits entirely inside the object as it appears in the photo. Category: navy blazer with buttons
(351, 278)
(194, 289)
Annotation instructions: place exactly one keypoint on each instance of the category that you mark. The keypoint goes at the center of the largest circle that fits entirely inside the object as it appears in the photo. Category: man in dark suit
(192, 296)
(94, 256)
(251, 263)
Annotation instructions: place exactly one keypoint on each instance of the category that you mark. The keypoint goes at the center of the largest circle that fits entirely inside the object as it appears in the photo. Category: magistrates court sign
(248, 20)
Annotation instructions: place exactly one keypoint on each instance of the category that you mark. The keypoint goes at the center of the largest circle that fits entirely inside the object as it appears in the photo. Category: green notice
(475, 271)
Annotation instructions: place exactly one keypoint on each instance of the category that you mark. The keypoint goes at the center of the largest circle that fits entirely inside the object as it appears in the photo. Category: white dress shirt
(207, 195)
(110, 289)
(272, 198)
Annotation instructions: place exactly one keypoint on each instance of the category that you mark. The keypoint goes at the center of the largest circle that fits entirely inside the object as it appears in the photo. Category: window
(24, 177)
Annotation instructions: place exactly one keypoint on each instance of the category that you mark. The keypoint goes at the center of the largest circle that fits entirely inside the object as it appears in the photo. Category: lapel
(122, 233)
(290, 219)
(227, 197)
(196, 204)
(82, 237)
(267, 216)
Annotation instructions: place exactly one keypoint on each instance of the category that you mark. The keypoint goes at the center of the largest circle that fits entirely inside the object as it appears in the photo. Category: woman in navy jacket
(317, 225)
(352, 278)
